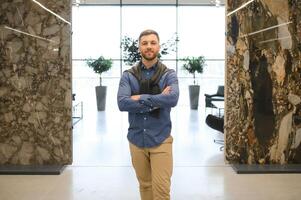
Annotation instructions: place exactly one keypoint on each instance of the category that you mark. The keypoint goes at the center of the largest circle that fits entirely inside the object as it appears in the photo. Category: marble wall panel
(263, 78)
(35, 83)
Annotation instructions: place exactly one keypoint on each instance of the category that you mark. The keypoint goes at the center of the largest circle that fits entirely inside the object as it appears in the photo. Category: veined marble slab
(35, 83)
(263, 81)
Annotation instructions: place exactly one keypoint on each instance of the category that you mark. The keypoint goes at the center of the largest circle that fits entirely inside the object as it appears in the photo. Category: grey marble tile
(35, 83)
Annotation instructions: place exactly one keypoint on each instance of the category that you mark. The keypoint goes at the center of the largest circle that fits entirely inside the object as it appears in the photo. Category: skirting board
(266, 169)
(31, 169)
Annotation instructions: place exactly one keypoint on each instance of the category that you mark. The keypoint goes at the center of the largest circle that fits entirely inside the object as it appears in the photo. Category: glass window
(202, 32)
(82, 70)
(96, 31)
(159, 18)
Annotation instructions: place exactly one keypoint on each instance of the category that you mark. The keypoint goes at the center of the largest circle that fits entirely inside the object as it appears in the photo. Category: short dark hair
(148, 32)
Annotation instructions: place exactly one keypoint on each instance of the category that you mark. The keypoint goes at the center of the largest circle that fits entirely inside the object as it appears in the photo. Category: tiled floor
(102, 170)
(119, 183)
(107, 145)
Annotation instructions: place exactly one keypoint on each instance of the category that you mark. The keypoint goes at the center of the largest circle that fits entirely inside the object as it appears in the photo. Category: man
(147, 92)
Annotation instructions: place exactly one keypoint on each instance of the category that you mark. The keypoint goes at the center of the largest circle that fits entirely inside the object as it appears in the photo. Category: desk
(220, 105)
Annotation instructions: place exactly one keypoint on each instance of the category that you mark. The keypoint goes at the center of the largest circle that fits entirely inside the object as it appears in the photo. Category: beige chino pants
(153, 167)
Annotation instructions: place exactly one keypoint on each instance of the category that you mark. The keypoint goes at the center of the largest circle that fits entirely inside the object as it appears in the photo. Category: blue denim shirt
(145, 130)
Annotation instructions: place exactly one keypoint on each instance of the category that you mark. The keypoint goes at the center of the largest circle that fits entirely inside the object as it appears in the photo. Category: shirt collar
(151, 68)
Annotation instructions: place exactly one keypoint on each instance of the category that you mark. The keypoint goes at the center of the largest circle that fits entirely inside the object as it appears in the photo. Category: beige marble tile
(114, 183)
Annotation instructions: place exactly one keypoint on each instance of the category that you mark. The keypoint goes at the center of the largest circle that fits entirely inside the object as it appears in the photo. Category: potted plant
(99, 66)
(193, 65)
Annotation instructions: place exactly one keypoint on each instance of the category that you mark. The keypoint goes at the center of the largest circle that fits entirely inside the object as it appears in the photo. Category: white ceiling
(172, 2)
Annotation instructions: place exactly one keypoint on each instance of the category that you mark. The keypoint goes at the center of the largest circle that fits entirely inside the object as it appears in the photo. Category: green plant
(131, 52)
(193, 65)
(99, 65)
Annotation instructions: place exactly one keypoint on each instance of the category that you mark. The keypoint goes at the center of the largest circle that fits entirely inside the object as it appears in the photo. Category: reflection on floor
(101, 139)
(119, 183)
(102, 170)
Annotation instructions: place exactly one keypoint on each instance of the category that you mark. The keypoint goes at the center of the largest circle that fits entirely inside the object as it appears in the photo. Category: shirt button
(144, 130)
(144, 118)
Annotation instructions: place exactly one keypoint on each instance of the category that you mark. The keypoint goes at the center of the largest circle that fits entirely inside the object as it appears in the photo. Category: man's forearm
(130, 105)
(135, 97)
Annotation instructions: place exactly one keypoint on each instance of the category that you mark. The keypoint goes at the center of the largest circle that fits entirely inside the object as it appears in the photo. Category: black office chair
(216, 123)
(218, 96)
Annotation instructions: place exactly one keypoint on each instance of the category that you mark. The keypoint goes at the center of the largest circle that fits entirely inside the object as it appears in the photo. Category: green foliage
(131, 52)
(193, 65)
(99, 65)
(169, 45)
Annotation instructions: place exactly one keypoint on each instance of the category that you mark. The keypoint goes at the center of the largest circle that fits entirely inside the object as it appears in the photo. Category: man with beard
(147, 92)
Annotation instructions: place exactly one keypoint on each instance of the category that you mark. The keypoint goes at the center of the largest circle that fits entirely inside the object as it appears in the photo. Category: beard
(149, 55)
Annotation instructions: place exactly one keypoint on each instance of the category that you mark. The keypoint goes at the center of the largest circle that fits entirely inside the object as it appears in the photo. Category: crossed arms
(147, 102)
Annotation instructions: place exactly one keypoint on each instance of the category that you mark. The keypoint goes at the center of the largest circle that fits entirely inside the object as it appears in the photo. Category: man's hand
(166, 90)
(135, 97)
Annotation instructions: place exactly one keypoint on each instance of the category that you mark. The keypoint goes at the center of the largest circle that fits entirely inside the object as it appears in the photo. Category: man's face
(149, 47)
